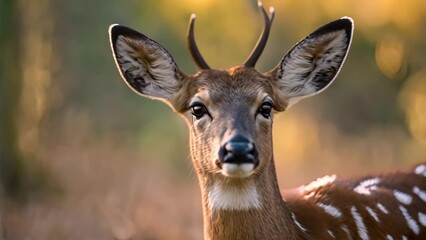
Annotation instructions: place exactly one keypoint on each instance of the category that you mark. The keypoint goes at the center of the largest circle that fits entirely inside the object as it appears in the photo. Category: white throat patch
(234, 197)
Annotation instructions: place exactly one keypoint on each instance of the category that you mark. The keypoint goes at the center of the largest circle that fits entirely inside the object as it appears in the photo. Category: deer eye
(198, 110)
(265, 109)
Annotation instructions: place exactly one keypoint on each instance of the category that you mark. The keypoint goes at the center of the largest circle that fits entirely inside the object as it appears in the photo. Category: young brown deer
(230, 115)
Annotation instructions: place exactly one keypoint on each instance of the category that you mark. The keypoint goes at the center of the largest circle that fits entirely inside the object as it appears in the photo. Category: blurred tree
(10, 84)
(25, 79)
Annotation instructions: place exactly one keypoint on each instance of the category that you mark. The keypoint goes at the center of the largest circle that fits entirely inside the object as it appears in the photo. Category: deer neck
(245, 209)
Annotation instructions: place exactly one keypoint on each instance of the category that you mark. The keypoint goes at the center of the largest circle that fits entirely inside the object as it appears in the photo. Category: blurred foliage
(67, 118)
(10, 159)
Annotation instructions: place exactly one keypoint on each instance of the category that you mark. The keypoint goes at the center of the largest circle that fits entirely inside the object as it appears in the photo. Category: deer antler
(260, 45)
(195, 53)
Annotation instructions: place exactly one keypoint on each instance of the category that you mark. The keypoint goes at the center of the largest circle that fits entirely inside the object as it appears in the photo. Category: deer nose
(239, 150)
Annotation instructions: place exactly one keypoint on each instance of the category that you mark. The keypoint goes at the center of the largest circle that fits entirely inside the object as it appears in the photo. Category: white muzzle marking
(237, 170)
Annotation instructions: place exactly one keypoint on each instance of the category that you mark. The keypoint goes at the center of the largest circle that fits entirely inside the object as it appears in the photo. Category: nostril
(253, 151)
(239, 147)
(238, 151)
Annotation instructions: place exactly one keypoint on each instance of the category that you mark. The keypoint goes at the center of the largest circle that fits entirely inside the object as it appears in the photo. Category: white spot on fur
(367, 186)
(412, 224)
(320, 182)
(333, 211)
(404, 237)
(311, 194)
(382, 208)
(403, 197)
(389, 237)
(421, 170)
(422, 219)
(362, 229)
(298, 224)
(421, 194)
(234, 197)
(372, 213)
(331, 233)
(346, 230)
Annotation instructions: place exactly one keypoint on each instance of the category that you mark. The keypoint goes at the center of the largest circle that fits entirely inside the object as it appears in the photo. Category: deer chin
(234, 194)
(235, 170)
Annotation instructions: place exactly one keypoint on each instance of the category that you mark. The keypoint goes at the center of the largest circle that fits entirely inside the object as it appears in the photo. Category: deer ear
(313, 63)
(144, 64)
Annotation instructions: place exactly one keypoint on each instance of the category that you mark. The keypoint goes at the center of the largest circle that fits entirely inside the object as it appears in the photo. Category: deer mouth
(236, 170)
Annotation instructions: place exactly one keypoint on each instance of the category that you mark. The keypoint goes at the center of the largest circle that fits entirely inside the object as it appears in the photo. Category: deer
(230, 115)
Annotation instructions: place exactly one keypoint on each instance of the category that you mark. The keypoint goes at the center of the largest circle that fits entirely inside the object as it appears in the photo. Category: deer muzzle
(238, 157)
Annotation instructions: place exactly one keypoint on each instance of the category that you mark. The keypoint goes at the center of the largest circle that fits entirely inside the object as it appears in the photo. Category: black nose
(238, 150)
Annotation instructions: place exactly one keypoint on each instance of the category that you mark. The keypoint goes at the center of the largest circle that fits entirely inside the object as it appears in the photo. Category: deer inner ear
(313, 64)
(144, 64)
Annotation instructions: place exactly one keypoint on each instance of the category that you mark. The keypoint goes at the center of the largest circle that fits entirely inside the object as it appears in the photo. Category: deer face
(230, 117)
(230, 112)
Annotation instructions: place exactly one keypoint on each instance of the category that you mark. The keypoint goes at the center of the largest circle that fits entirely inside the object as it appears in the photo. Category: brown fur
(341, 195)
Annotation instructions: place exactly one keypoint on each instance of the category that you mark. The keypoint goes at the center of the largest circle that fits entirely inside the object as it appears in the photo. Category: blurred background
(83, 157)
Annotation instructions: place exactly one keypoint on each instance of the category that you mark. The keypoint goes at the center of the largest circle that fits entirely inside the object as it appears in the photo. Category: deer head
(230, 112)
